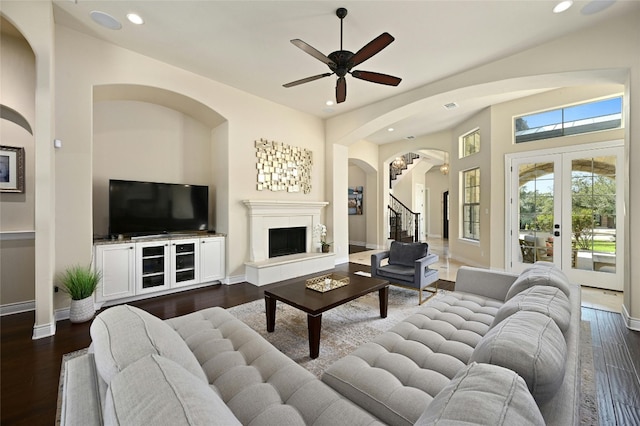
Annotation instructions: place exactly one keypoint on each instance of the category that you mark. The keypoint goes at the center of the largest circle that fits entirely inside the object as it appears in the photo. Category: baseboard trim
(44, 330)
(17, 308)
(237, 279)
(629, 321)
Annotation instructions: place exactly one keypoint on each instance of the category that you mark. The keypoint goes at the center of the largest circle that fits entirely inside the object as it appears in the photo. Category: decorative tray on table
(324, 283)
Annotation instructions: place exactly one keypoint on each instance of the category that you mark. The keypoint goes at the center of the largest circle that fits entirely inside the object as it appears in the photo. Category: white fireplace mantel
(268, 214)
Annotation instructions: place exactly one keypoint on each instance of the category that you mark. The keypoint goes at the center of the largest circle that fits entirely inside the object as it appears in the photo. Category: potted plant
(80, 282)
(321, 231)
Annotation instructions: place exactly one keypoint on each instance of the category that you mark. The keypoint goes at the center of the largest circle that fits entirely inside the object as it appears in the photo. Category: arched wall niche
(147, 133)
(158, 96)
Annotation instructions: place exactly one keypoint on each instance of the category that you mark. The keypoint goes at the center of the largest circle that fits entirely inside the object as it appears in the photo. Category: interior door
(565, 209)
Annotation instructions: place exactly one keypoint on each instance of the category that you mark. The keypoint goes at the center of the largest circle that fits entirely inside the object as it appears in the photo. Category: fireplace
(285, 241)
(266, 215)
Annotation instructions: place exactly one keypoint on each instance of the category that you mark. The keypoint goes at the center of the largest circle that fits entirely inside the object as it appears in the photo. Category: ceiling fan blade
(371, 48)
(308, 79)
(376, 77)
(341, 90)
(313, 52)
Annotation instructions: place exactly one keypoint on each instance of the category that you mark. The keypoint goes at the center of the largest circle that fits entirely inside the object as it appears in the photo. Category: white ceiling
(246, 44)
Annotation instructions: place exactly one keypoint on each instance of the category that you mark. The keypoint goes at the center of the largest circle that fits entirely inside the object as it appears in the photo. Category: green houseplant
(80, 282)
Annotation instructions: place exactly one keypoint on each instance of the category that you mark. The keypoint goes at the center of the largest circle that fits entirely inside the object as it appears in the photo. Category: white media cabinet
(136, 269)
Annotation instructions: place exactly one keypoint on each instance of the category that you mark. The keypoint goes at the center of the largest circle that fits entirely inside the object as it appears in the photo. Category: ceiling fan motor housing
(341, 62)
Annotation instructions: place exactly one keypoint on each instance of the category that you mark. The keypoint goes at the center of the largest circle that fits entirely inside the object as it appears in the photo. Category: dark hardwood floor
(30, 369)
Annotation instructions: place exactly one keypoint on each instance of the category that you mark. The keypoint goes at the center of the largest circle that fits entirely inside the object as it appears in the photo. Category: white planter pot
(82, 310)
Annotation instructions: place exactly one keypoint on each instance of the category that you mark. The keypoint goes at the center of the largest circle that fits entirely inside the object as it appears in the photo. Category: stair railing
(403, 219)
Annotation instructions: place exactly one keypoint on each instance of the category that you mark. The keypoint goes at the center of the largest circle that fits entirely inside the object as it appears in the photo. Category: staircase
(403, 223)
(394, 172)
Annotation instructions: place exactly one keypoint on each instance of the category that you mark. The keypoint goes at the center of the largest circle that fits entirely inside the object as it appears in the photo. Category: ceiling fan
(342, 61)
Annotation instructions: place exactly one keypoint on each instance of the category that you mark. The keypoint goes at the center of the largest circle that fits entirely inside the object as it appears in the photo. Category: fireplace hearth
(286, 241)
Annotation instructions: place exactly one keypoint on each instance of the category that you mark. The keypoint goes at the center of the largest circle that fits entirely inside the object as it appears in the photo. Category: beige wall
(146, 142)
(358, 223)
(602, 54)
(17, 211)
(85, 62)
(437, 183)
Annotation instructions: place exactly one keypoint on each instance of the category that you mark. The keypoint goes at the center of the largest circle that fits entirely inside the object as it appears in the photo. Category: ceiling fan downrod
(341, 13)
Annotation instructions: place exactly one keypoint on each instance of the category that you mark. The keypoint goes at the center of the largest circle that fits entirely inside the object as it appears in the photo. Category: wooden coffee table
(314, 303)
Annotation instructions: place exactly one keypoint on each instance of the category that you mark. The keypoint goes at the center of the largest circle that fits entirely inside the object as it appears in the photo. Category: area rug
(343, 328)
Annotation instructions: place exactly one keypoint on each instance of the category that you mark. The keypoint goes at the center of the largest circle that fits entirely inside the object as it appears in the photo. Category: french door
(565, 207)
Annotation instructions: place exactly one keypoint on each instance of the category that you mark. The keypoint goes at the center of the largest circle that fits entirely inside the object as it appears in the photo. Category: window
(583, 118)
(471, 204)
(470, 143)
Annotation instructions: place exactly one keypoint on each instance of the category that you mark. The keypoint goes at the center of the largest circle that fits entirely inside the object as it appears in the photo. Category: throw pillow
(123, 334)
(532, 345)
(157, 391)
(540, 274)
(483, 394)
(550, 301)
(406, 254)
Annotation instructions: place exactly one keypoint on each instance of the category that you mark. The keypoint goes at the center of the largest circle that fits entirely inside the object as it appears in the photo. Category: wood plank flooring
(30, 369)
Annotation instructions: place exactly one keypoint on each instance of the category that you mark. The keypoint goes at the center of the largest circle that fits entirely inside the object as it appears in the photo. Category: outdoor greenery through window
(470, 143)
(471, 204)
(583, 118)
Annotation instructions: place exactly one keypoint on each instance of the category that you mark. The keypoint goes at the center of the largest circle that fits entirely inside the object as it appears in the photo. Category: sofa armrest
(81, 397)
(484, 282)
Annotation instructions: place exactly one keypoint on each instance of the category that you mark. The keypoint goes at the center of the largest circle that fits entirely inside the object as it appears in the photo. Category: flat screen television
(149, 208)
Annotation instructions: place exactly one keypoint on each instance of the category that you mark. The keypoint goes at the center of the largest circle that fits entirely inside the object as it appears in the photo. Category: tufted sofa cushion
(532, 345)
(258, 383)
(156, 390)
(540, 274)
(414, 360)
(483, 394)
(550, 301)
(123, 334)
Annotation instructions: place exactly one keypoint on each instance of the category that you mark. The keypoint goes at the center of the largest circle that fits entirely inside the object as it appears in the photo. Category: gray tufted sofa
(494, 322)
(501, 349)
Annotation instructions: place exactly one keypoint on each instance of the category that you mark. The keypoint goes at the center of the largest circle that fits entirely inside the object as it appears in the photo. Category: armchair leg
(432, 290)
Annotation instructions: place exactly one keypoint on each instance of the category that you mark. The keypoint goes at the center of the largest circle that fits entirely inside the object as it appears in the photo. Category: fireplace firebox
(285, 241)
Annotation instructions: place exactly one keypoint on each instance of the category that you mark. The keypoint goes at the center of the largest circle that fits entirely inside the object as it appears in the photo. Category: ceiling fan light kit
(342, 61)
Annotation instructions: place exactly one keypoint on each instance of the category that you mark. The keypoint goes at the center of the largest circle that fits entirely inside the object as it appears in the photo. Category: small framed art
(11, 169)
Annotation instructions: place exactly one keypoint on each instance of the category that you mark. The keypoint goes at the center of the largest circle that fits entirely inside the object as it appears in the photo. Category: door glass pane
(593, 214)
(535, 207)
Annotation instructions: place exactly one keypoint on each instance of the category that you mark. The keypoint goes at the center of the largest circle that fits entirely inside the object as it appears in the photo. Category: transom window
(471, 204)
(583, 118)
(470, 144)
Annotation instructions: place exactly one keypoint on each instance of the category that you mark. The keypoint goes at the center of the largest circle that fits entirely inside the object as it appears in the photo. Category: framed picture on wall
(355, 200)
(11, 169)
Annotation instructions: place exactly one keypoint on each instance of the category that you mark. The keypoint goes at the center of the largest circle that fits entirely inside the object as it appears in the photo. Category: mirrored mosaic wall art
(283, 167)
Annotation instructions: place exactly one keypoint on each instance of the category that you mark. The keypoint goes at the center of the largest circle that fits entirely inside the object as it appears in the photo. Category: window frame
(462, 147)
(472, 206)
(566, 127)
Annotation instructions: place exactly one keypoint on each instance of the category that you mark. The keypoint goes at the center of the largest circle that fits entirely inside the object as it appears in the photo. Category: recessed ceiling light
(390, 129)
(328, 103)
(562, 6)
(134, 18)
(105, 20)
